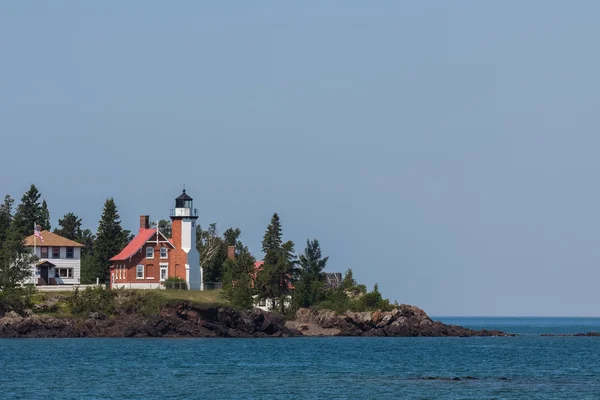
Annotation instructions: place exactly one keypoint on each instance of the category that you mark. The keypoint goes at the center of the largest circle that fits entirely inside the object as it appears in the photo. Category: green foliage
(95, 299)
(241, 293)
(338, 300)
(348, 282)
(310, 288)
(279, 270)
(28, 213)
(45, 216)
(15, 267)
(91, 268)
(165, 227)
(110, 240)
(144, 302)
(87, 239)
(231, 236)
(16, 299)
(213, 252)
(70, 227)
(5, 218)
(272, 240)
(175, 283)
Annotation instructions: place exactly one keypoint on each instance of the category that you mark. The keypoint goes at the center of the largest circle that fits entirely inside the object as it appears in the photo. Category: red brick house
(150, 258)
(146, 261)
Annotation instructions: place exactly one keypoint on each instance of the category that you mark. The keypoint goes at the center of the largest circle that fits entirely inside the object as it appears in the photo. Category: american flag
(37, 233)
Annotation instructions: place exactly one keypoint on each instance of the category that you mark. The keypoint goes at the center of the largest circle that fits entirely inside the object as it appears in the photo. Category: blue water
(306, 368)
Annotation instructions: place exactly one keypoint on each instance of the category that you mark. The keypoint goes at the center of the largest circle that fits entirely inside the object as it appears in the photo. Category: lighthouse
(186, 256)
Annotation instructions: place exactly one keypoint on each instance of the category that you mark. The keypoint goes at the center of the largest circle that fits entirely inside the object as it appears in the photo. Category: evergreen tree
(231, 235)
(28, 213)
(311, 262)
(279, 268)
(272, 238)
(91, 268)
(164, 226)
(348, 282)
(5, 218)
(87, 239)
(241, 293)
(45, 216)
(110, 240)
(70, 227)
(310, 288)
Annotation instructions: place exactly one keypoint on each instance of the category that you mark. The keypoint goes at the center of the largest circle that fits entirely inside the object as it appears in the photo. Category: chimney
(231, 252)
(144, 221)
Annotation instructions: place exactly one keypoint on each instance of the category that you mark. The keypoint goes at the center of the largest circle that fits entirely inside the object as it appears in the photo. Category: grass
(202, 297)
(123, 301)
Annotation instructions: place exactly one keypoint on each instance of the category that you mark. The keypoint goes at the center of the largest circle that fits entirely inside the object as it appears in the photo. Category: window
(163, 252)
(63, 273)
(44, 252)
(149, 252)
(262, 303)
(139, 273)
(70, 252)
(164, 268)
(56, 252)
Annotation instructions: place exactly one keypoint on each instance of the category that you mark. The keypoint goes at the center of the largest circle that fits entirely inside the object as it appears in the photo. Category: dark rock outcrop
(405, 320)
(187, 320)
(183, 320)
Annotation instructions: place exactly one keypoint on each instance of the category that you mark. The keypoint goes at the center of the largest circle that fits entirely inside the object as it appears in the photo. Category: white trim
(137, 270)
(163, 267)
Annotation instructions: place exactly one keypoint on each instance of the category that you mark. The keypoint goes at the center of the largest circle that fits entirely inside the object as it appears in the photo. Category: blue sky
(447, 150)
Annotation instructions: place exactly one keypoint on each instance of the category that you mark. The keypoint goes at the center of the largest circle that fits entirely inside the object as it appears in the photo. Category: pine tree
(311, 262)
(110, 240)
(231, 235)
(241, 293)
(70, 227)
(45, 216)
(279, 268)
(310, 288)
(272, 238)
(28, 213)
(5, 218)
(87, 239)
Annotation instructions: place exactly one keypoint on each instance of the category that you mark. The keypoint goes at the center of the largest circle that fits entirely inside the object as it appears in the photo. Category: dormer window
(163, 252)
(149, 252)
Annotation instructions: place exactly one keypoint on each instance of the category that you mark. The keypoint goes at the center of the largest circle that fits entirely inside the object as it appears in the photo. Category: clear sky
(447, 150)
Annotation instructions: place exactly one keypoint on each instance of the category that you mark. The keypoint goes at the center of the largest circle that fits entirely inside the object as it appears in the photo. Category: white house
(59, 260)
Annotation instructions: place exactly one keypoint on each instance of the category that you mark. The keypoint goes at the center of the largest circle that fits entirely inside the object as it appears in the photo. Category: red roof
(133, 247)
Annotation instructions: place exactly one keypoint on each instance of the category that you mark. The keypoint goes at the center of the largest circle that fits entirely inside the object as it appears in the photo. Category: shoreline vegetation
(99, 312)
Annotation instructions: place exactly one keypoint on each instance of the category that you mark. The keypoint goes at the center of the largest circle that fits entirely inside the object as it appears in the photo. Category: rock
(376, 317)
(405, 320)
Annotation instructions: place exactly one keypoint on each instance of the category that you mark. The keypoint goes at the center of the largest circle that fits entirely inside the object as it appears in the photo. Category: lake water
(525, 367)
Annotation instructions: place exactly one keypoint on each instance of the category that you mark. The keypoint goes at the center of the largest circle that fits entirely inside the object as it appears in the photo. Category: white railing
(62, 288)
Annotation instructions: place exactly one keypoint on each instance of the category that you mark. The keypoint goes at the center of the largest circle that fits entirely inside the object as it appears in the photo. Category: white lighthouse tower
(185, 257)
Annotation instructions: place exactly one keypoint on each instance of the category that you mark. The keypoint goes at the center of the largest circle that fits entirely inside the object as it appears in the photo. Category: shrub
(16, 299)
(175, 283)
(97, 299)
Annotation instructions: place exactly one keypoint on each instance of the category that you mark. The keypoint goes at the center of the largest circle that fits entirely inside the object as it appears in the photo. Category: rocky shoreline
(403, 321)
(188, 320)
